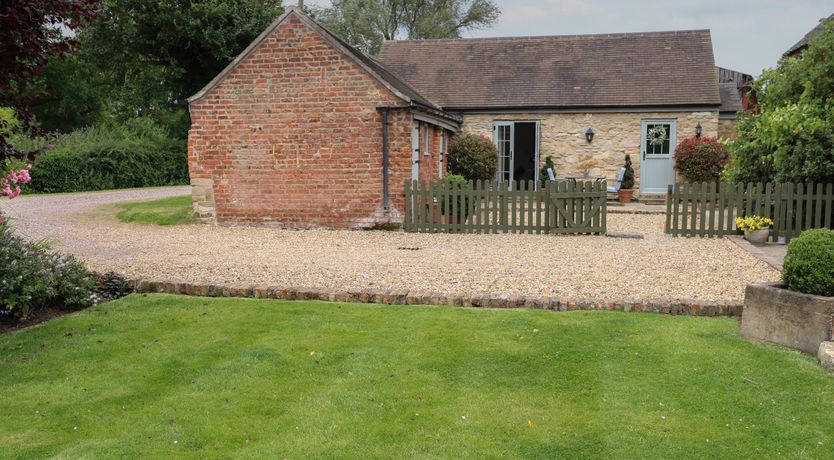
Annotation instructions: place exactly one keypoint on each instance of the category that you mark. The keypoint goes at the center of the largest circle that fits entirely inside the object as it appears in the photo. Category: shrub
(33, 278)
(701, 159)
(137, 154)
(473, 157)
(461, 202)
(809, 263)
(548, 164)
(628, 176)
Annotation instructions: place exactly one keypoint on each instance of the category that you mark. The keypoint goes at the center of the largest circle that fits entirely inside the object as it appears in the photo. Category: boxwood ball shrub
(473, 157)
(701, 159)
(809, 263)
(33, 278)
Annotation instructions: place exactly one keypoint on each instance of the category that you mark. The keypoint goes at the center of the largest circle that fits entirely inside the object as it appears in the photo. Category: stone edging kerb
(408, 297)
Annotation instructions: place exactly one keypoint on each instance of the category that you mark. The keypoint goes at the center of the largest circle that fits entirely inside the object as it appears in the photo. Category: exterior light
(698, 130)
(589, 135)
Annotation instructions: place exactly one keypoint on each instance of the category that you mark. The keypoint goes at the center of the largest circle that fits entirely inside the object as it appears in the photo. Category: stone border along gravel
(407, 297)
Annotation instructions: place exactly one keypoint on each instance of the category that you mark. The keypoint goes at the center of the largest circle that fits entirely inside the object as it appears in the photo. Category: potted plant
(756, 228)
(548, 163)
(626, 190)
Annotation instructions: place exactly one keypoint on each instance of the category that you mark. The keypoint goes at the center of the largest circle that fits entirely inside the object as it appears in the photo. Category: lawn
(165, 376)
(166, 211)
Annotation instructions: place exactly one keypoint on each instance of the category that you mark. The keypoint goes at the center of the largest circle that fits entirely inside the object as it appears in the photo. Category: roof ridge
(539, 37)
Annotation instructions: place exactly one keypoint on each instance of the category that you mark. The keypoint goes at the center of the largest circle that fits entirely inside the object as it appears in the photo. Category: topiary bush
(136, 154)
(33, 278)
(473, 157)
(701, 159)
(628, 176)
(809, 263)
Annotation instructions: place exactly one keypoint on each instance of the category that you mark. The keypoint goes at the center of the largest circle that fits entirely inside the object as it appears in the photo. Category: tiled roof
(730, 98)
(622, 70)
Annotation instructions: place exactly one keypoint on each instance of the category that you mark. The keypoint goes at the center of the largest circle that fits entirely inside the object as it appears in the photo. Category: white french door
(504, 137)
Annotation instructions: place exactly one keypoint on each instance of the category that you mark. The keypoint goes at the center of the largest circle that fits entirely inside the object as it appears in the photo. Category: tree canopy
(366, 23)
(790, 138)
(145, 57)
(30, 33)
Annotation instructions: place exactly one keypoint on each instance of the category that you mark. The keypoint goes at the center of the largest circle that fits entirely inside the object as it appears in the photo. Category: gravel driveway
(657, 267)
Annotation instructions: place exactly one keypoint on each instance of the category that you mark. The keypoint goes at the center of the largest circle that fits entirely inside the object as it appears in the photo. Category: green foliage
(181, 377)
(461, 203)
(137, 154)
(809, 263)
(701, 159)
(33, 278)
(474, 157)
(548, 164)
(367, 23)
(145, 57)
(628, 176)
(177, 210)
(791, 138)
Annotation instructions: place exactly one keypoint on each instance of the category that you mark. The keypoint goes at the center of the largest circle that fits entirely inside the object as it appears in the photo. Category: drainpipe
(384, 112)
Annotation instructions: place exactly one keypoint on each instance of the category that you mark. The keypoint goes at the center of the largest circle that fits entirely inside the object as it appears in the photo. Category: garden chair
(618, 183)
(551, 176)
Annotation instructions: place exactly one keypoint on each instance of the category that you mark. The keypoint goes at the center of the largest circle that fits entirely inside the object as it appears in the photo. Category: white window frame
(426, 143)
(442, 152)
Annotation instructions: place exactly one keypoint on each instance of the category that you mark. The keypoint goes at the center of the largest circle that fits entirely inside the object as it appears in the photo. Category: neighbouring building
(737, 95)
(303, 130)
(799, 47)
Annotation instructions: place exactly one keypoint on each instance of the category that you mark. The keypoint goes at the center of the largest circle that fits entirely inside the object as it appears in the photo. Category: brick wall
(291, 137)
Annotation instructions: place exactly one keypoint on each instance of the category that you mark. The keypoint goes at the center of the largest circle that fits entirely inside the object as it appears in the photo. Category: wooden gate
(504, 207)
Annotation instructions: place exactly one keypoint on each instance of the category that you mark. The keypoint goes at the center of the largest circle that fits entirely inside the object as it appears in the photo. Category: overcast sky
(748, 35)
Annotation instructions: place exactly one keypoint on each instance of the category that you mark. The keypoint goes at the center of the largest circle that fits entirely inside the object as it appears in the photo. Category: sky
(747, 35)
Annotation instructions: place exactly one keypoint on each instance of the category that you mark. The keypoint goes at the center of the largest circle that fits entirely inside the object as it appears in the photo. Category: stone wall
(616, 134)
(727, 128)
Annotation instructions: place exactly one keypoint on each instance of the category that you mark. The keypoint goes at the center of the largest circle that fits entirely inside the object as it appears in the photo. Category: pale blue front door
(657, 162)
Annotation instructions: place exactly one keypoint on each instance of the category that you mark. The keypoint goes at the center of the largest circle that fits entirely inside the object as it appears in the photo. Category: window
(442, 151)
(426, 143)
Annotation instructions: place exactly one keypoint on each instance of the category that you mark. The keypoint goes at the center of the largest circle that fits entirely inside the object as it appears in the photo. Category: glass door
(504, 136)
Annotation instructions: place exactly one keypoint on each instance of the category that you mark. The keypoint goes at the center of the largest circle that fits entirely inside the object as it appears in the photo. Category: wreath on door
(657, 135)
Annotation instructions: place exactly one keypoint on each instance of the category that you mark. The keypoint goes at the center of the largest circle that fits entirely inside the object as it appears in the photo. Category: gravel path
(657, 267)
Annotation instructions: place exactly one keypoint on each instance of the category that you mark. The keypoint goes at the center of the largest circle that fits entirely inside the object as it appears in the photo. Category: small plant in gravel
(701, 159)
(809, 263)
(473, 157)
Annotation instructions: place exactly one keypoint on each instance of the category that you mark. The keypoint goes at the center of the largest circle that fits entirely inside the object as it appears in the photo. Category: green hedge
(136, 154)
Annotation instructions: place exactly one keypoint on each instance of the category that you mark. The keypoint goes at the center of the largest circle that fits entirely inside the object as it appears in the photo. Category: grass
(164, 376)
(166, 211)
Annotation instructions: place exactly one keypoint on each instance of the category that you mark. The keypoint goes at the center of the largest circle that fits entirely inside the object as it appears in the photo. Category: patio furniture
(618, 183)
(551, 176)
(582, 177)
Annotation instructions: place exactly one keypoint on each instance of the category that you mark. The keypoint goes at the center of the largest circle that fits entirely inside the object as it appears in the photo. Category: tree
(366, 23)
(30, 32)
(146, 57)
(791, 137)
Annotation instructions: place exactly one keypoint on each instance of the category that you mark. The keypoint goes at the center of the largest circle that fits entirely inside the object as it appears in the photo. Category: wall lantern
(698, 130)
(589, 135)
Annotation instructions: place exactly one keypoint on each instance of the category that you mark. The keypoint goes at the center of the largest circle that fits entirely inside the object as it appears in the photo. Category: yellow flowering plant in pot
(756, 228)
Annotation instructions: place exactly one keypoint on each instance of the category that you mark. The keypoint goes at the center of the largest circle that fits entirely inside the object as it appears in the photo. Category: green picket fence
(500, 207)
(710, 209)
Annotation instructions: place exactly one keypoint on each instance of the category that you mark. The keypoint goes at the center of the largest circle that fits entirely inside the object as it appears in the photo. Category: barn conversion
(303, 130)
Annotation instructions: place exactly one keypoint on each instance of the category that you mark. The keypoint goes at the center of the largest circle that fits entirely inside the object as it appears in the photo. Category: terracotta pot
(757, 236)
(624, 195)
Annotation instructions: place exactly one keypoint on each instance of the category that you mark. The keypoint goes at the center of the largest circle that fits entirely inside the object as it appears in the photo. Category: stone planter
(757, 236)
(624, 195)
(776, 315)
